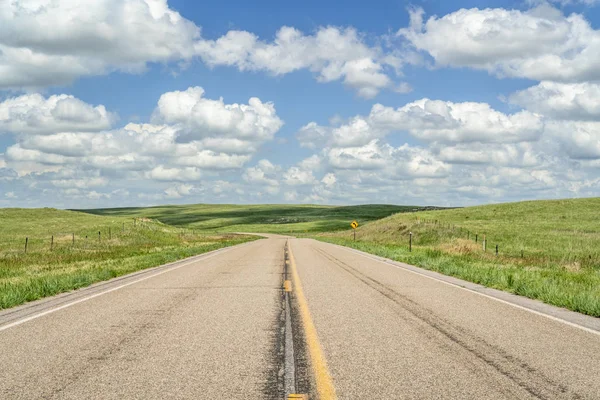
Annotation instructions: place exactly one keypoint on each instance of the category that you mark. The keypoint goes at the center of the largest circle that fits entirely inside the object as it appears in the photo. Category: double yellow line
(323, 381)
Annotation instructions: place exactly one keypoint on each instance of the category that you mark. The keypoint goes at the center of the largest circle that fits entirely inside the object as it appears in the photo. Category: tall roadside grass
(548, 250)
(53, 266)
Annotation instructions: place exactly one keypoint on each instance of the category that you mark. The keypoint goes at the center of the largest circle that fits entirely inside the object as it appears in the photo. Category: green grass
(43, 271)
(259, 218)
(558, 239)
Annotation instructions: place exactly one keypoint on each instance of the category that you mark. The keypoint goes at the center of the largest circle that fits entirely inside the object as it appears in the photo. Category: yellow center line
(323, 379)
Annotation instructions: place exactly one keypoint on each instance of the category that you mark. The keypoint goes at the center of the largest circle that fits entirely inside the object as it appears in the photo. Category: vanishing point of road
(295, 318)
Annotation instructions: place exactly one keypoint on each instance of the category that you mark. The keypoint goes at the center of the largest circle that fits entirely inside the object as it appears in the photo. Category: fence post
(98, 235)
(410, 242)
(484, 243)
(496, 249)
(52, 243)
(475, 238)
(26, 241)
(109, 234)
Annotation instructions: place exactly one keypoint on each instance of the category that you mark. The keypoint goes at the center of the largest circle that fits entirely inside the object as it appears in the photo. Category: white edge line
(52, 310)
(572, 324)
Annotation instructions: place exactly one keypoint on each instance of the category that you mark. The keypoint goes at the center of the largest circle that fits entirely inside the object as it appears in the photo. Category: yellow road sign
(354, 224)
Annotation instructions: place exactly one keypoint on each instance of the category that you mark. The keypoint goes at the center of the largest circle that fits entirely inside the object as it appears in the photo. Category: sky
(114, 103)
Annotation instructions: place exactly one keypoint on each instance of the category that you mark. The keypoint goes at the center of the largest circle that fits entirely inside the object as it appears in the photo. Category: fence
(100, 237)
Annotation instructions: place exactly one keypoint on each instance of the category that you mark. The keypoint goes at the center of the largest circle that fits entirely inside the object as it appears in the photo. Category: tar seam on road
(323, 381)
(52, 310)
(551, 317)
(289, 359)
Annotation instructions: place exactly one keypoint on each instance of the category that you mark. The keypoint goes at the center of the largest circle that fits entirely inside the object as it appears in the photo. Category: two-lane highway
(213, 327)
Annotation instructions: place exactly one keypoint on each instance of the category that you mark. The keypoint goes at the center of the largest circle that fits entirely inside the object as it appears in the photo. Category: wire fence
(139, 231)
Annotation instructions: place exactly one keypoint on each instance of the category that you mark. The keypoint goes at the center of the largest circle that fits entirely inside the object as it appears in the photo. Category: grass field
(548, 250)
(259, 218)
(72, 261)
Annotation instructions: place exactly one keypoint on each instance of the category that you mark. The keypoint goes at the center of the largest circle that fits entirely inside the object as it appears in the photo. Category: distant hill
(275, 218)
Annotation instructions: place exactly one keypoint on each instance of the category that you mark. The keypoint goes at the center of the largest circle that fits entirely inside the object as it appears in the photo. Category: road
(356, 327)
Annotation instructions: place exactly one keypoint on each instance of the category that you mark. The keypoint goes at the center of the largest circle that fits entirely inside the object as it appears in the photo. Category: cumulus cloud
(201, 118)
(332, 53)
(329, 180)
(162, 173)
(178, 191)
(392, 162)
(88, 38)
(298, 176)
(35, 114)
(575, 101)
(312, 135)
(99, 37)
(263, 173)
(539, 44)
(568, 2)
(502, 154)
(432, 121)
(74, 148)
(580, 140)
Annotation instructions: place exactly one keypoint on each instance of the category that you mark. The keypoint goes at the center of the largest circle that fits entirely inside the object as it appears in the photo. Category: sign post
(354, 225)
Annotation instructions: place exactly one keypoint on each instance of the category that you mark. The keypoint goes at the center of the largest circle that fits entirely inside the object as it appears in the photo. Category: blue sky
(143, 102)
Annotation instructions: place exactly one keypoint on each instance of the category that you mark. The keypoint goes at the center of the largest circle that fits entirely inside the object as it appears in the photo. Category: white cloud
(311, 163)
(444, 121)
(579, 101)
(502, 154)
(297, 176)
(87, 38)
(432, 121)
(199, 118)
(357, 132)
(195, 134)
(580, 140)
(312, 135)
(35, 114)
(370, 156)
(207, 159)
(162, 173)
(80, 183)
(568, 2)
(539, 44)
(178, 191)
(99, 37)
(263, 173)
(329, 180)
(332, 53)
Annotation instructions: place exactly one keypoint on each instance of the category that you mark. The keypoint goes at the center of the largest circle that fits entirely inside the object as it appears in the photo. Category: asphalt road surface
(352, 326)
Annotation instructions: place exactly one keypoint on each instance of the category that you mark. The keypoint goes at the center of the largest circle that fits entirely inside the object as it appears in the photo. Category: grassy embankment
(282, 219)
(43, 272)
(560, 241)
